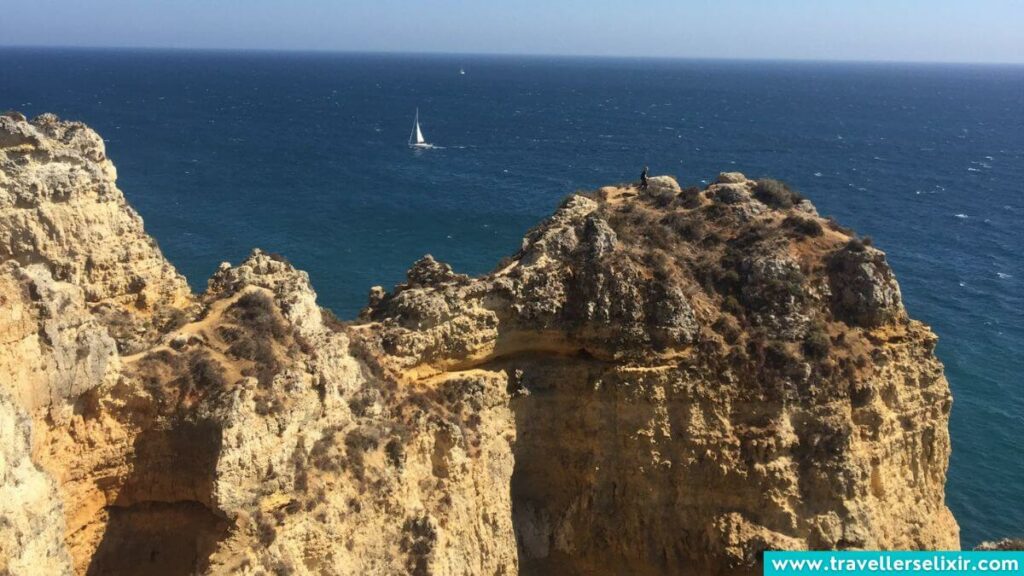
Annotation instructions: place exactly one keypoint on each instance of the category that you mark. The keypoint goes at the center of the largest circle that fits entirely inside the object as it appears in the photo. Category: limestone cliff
(659, 381)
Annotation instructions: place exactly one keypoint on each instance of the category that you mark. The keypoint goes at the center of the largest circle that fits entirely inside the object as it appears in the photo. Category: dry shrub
(689, 197)
(729, 328)
(859, 244)
(331, 320)
(807, 227)
(776, 194)
(687, 227)
(204, 372)
(817, 343)
(256, 312)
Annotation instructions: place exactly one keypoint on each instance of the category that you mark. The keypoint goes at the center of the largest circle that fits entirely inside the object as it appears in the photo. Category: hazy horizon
(911, 31)
(438, 53)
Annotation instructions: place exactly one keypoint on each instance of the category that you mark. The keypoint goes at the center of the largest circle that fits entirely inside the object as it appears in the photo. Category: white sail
(416, 138)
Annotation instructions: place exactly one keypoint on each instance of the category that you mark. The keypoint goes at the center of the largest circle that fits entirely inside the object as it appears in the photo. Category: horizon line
(512, 54)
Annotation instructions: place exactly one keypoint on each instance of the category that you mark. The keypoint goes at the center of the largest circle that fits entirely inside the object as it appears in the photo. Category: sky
(887, 30)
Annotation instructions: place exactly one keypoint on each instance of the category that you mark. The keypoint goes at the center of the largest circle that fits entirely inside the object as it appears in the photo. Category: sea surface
(305, 155)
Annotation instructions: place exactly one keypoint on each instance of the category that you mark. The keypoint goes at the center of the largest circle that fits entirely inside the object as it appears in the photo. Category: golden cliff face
(662, 382)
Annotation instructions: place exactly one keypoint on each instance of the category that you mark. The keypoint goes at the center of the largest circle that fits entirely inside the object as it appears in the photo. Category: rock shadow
(163, 522)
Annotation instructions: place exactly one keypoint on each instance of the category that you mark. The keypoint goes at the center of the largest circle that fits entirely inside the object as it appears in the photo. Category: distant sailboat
(416, 139)
(462, 71)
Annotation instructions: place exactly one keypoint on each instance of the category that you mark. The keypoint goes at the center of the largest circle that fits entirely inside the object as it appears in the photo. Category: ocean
(305, 154)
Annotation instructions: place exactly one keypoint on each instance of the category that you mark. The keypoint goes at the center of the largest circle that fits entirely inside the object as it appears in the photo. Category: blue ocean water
(304, 154)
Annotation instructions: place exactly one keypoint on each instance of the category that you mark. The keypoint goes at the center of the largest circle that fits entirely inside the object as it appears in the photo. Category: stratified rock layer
(667, 381)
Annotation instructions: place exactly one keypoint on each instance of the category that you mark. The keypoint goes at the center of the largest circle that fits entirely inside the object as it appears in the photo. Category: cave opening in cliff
(161, 520)
(158, 538)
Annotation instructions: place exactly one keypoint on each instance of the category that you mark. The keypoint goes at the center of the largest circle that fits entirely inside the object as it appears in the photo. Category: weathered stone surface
(730, 178)
(864, 288)
(60, 207)
(662, 186)
(32, 534)
(652, 384)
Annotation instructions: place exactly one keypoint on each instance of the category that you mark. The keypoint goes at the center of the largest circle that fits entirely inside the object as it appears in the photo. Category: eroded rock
(865, 292)
(655, 383)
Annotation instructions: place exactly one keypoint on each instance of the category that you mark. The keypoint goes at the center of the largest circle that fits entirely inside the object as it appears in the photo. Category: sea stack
(662, 381)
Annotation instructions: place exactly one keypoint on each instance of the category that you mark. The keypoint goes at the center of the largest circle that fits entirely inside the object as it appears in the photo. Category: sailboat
(416, 139)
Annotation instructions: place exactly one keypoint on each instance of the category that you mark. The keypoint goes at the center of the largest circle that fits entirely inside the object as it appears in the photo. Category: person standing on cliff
(643, 179)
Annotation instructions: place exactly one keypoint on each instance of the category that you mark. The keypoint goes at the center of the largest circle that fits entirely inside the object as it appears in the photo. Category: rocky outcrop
(1006, 544)
(60, 207)
(866, 292)
(659, 381)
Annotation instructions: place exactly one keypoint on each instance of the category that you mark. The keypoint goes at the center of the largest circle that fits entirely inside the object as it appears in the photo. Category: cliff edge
(660, 381)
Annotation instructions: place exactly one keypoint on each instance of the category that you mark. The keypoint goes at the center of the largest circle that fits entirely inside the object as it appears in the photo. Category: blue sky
(905, 30)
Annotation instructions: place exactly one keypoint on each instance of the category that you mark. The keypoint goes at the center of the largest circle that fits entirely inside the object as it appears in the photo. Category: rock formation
(662, 382)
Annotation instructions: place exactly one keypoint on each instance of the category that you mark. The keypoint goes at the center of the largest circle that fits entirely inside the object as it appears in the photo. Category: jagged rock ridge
(663, 381)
